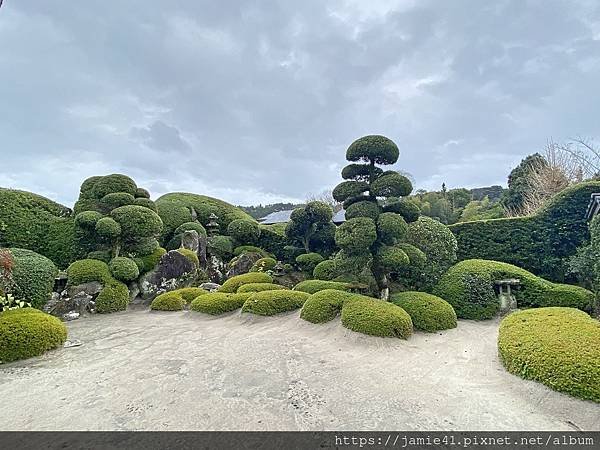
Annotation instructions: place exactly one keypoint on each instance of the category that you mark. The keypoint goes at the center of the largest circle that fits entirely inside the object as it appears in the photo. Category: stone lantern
(508, 302)
(212, 227)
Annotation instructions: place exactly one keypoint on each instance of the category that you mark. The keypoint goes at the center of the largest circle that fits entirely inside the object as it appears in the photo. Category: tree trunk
(382, 284)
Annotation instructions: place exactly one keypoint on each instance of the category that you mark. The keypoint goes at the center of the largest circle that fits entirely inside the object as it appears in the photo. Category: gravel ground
(142, 370)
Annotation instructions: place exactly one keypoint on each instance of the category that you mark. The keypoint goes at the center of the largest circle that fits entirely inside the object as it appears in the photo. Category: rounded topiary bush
(391, 227)
(325, 270)
(324, 305)
(33, 277)
(559, 347)
(112, 298)
(428, 312)
(313, 286)
(116, 199)
(376, 318)
(145, 202)
(308, 261)
(88, 219)
(108, 227)
(137, 220)
(363, 208)
(376, 148)
(123, 269)
(233, 284)
(259, 287)
(269, 303)
(168, 301)
(356, 235)
(251, 249)
(88, 270)
(190, 293)
(244, 231)
(112, 183)
(220, 246)
(409, 210)
(149, 262)
(28, 332)
(216, 303)
(264, 264)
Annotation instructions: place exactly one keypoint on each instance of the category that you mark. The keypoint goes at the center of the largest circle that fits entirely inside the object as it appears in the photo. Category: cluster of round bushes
(269, 303)
(259, 287)
(469, 288)
(233, 283)
(312, 286)
(28, 332)
(176, 300)
(559, 347)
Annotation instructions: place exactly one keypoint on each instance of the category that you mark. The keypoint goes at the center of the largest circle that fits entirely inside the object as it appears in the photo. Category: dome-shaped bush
(360, 172)
(142, 193)
(347, 189)
(146, 203)
(137, 221)
(376, 318)
(409, 210)
(392, 258)
(263, 264)
(124, 269)
(391, 184)
(391, 227)
(324, 305)
(379, 149)
(108, 227)
(313, 286)
(116, 199)
(220, 246)
(169, 301)
(113, 183)
(365, 208)
(325, 270)
(356, 235)
(149, 262)
(232, 284)
(33, 277)
(259, 287)
(114, 297)
(88, 219)
(87, 270)
(417, 258)
(28, 332)
(428, 312)
(244, 231)
(308, 261)
(216, 303)
(319, 211)
(269, 303)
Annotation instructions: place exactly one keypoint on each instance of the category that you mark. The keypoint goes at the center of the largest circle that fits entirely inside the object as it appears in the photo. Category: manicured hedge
(233, 284)
(28, 332)
(269, 303)
(123, 269)
(313, 286)
(325, 305)
(539, 243)
(168, 301)
(308, 261)
(428, 312)
(469, 288)
(325, 270)
(216, 303)
(259, 287)
(112, 298)
(559, 347)
(376, 318)
(33, 276)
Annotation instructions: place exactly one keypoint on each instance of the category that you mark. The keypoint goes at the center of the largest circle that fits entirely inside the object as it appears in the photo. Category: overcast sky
(257, 101)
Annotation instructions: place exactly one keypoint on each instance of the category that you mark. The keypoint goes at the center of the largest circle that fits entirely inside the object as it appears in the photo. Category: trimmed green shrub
(408, 209)
(376, 318)
(123, 269)
(116, 199)
(190, 293)
(175, 242)
(87, 270)
(428, 312)
(88, 219)
(146, 203)
(168, 301)
(233, 284)
(259, 287)
(112, 298)
(390, 226)
(263, 264)
(100, 255)
(33, 277)
(559, 347)
(149, 262)
(324, 305)
(325, 270)
(310, 227)
(28, 332)
(272, 239)
(251, 249)
(142, 193)
(308, 261)
(313, 286)
(269, 303)
(216, 303)
(540, 243)
(356, 235)
(220, 246)
(107, 227)
(469, 288)
(375, 148)
(109, 184)
(137, 221)
(244, 231)
(190, 255)
(363, 208)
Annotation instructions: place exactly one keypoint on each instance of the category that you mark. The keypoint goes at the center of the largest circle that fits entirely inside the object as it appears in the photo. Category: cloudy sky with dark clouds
(257, 101)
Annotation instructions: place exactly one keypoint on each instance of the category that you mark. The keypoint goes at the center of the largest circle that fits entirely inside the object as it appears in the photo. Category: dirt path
(185, 371)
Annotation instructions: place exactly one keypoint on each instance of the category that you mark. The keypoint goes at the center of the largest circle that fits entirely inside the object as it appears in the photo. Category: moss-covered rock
(559, 347)
(324, 305)
(313, 286)
(216, 303)
(428, 312)
(263, 265)
(269, 303)
(28, 332)
(376, 318)
(233, 284)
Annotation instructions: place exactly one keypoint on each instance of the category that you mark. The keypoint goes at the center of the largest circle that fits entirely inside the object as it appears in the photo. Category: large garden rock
(173, 271)
(196, 243)
(92, 289)
(69, 307)
(241, 264)
(210, 287)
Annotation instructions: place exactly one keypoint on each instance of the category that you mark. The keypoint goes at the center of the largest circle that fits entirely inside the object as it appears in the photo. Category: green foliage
(88, 219)
(469, 288)
(149, 262)
(391, 227)
(216, 303)
(8, 302)
(324, 305)
(481, 210)
(168, 301)
(115, 200)
(191, 256)
(269, 303)
(308, 261)
(585, 264)
(359, 172)
(100, 255)
(190, 226)
(428, 312)
(313, 286)
(86, 271)
(518, 181)
(112, 298)
(36, 223)
(221, 247)
(364, 208)
(325, 270)
(263, 265)
(408, 209)
(375, 149)
(109, 184)
(349, 189)
(309, 222)
(356, 235)
(260, 211)
(376, 318)
(417, 257)
(259, 287)
(272, 239)
(142, 193)
(541, 243)
(392, 258)
(559, 347)
(232, 284)
(146, 203)
(123, 269)
(244, 231)
(137, 221)
(391, 184)
(107, 227)
(190, 293)
(33, 277)
(251, 249)
(28, 332)
(438, 244)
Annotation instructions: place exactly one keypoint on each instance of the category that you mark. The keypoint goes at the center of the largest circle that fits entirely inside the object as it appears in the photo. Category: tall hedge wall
(539, 243)
(33, 222)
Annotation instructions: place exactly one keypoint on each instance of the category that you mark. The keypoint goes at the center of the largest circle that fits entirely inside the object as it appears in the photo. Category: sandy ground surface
(143, 370)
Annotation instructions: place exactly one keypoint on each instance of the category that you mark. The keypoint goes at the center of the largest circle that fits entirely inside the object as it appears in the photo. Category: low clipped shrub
(251, 249)
(216, 303)
(269, 303)
(33, 277)
(149, 262)
(428, 312)
(308, 261)
(28, 332)
(88, 270)
(123, 269)
(324, 305)
(244, 231)
(559, 347)
(376, 318)
(220, 246)
(469, 287)
(168, 301)
(190, 293)
(325, 270)
(112, 298)
(233, 284)
(313, 286)
(259, 287)
(263, 264)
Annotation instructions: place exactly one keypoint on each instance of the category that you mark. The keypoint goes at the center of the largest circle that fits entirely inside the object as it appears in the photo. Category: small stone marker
(508, 302)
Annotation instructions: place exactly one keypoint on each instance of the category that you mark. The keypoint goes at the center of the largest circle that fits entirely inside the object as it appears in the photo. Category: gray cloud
(257, 102)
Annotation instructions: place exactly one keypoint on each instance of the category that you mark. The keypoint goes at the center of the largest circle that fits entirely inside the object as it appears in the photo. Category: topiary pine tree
(376, 214)
(310, 225)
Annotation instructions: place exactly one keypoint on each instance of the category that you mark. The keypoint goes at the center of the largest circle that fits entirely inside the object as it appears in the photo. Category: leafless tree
(325, 196)
(586, 154)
